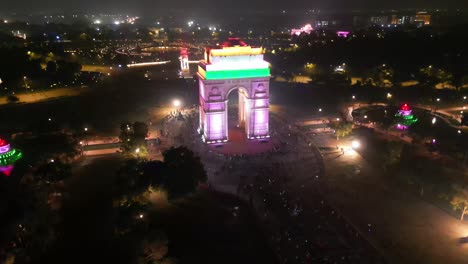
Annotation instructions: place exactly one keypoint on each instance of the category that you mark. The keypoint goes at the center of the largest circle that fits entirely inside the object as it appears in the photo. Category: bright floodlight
(355, 144)
(176, 103)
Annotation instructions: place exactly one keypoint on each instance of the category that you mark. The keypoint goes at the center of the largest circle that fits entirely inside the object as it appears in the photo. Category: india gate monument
(226, 67)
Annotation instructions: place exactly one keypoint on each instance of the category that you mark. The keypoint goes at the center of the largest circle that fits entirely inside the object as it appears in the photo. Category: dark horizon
(146, 7)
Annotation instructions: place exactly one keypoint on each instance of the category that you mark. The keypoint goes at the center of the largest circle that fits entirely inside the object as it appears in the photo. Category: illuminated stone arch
(253, 108)
(227, 67)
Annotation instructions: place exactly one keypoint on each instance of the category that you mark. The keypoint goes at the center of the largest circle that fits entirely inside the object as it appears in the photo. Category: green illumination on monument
(236, 74)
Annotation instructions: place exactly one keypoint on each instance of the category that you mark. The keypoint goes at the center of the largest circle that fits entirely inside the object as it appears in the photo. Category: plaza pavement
(405, 228)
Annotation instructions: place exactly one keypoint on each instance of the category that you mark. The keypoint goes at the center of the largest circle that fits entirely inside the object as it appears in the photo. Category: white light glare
(355, 144)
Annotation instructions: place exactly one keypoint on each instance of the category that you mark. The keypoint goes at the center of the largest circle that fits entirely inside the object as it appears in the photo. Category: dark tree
(183, 171)
(140, 131)
(53, 172)
(51, 67)
(152, 172)
(133, 136)
(125, 137)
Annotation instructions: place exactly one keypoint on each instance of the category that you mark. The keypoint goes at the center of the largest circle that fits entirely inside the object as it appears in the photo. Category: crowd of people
(285, 187)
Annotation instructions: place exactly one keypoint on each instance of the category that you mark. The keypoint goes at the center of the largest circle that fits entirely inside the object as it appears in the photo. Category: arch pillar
(253, 107)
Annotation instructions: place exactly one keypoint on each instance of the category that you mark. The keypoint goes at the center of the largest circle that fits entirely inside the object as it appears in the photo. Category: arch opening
(237, 109)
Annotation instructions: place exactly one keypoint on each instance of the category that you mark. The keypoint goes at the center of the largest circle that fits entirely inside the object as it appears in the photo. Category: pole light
(176, 103)
(355, 144)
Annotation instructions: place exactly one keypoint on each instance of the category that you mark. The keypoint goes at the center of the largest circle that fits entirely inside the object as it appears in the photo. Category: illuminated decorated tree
(405, 117)
(8, 156)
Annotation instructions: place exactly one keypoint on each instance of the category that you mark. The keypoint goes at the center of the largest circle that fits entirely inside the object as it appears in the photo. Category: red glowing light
(405, 107)
(233, 42)
(6, 170)
(183, 52)
(3, 142)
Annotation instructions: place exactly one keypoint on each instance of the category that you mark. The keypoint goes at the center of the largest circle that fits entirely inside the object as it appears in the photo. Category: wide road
(405, 228)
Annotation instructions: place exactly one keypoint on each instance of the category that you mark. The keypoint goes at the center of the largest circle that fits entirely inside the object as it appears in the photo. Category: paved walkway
(403, 227)
(45, 95)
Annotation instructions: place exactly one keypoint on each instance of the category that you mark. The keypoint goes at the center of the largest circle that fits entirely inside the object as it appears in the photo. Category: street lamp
(176, 103)
(85, 129)
(434, 120)
(355, 144)
(354, 97)
(320, 110)
(389, 95)
(438, 99)
(137, 150)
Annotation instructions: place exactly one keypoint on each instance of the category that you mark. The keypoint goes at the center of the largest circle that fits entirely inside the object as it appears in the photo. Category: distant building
(19, 34)
(379, 20)
(423, 17)
(305, 29)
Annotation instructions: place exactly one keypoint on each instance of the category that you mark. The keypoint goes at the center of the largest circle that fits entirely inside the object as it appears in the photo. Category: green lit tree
(460, 200)
(342, 129)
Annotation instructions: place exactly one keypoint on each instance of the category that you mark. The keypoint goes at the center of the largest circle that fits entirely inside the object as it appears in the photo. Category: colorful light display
(233, 59)
(8, 157)
(305, 29)
(343, 34)
(405, 117)
(233, 65)
(234, 74)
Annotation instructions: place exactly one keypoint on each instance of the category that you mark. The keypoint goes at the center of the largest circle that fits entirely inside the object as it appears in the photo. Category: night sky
(150, 6)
